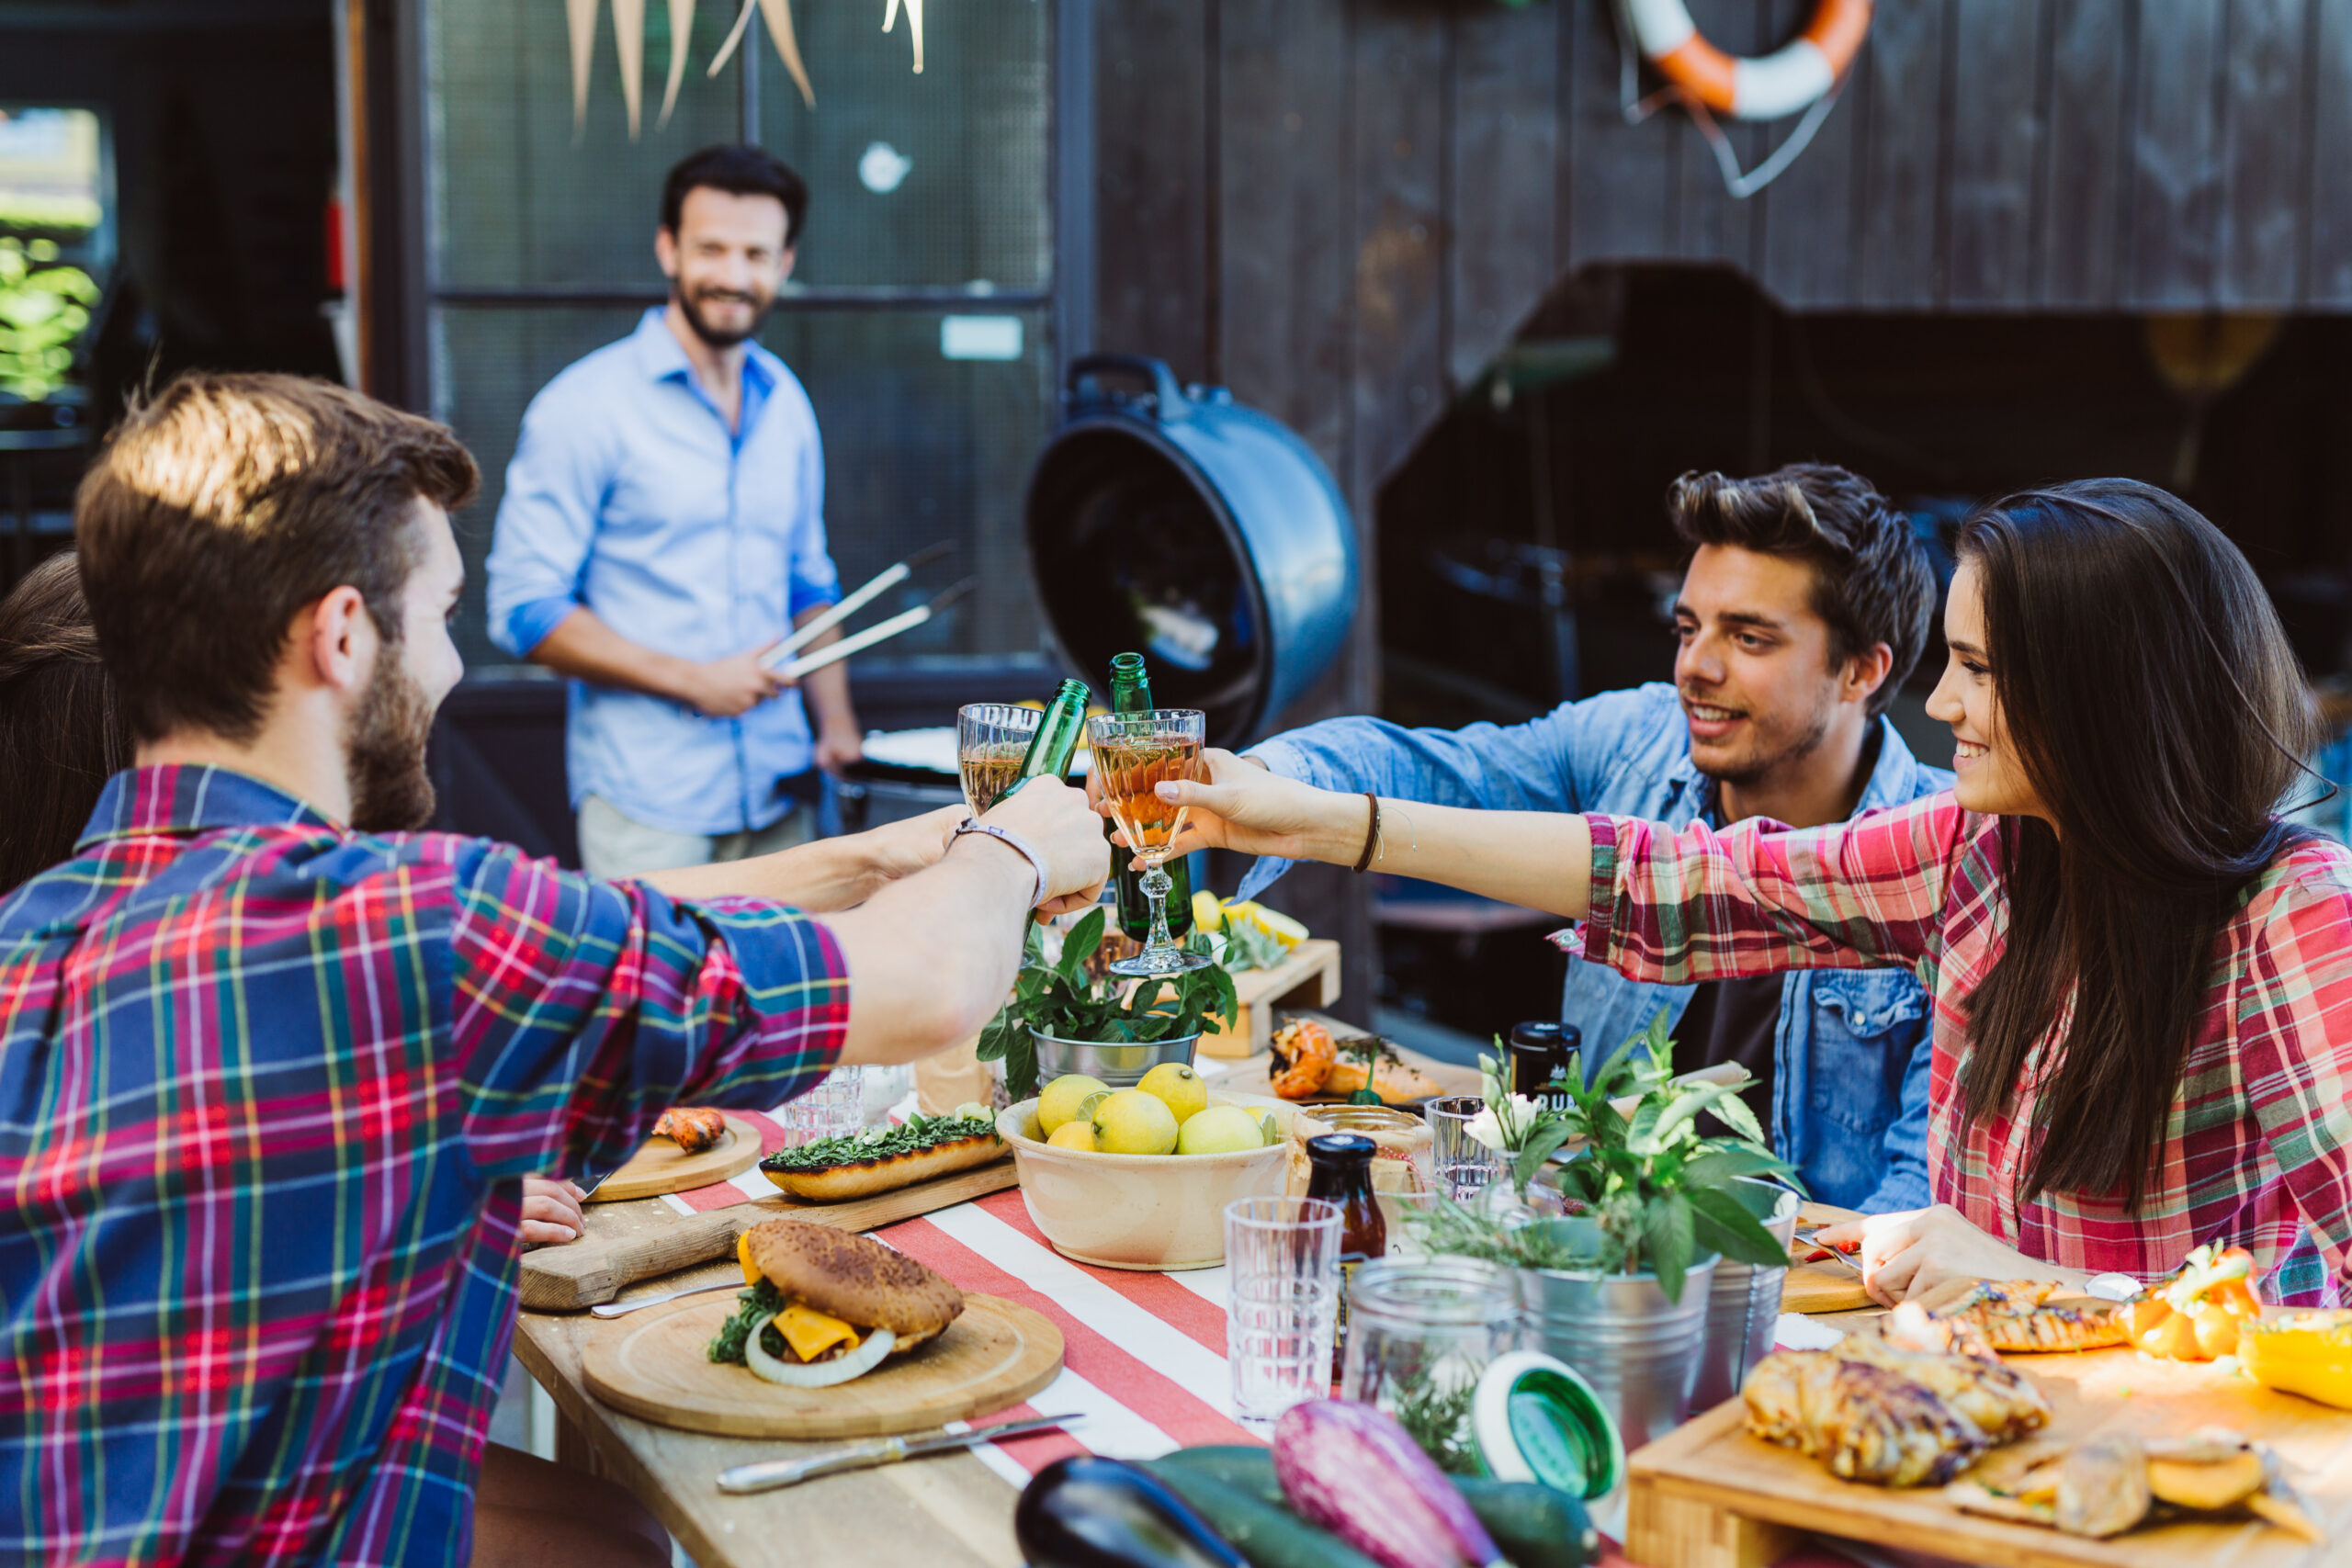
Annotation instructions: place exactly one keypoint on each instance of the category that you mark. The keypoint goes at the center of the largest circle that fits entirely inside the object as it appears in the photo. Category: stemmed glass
(1133, 753)
(992, 741)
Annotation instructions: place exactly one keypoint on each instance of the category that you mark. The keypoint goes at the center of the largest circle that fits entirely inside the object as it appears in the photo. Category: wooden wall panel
(1152, 218)
(1501, 178)
(1807, 257)
(2265, 138)
(2327, 196)
(1625, 177)
(1708, 224)
(2175, 168)
(1896, 217)
(1286, 260)
(2078, 260)
(1404, 90)
(1998, 70)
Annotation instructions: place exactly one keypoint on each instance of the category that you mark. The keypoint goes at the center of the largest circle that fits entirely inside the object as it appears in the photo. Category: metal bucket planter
(1745, 1301)
(1119, 1066)
(1638, 1350)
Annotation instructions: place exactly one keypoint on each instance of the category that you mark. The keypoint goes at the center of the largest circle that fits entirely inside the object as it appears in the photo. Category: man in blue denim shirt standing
(1805, 605)
(662, 527)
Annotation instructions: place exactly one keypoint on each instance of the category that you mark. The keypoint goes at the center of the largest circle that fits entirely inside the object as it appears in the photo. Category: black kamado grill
(1177, 523)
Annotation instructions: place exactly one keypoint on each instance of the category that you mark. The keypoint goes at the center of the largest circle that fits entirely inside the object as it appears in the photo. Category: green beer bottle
(1131, 692)
(1059, 733)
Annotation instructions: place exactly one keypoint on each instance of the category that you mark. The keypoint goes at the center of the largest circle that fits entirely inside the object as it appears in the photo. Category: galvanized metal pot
(1121, 1066)
(1745, 1301)
(1638, 1350)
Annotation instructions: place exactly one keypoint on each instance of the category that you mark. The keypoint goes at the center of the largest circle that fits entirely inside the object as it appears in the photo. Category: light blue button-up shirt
(1850, 1050)
(629, 494)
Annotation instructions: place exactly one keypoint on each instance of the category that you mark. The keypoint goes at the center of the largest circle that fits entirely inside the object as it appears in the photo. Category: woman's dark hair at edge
(62, 734)
(2148, 690)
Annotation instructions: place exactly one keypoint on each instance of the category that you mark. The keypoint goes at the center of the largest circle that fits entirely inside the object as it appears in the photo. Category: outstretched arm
(1542, 860)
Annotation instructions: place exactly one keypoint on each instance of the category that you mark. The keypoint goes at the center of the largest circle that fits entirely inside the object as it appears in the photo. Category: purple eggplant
(1354, 1471)
(1083, 1512)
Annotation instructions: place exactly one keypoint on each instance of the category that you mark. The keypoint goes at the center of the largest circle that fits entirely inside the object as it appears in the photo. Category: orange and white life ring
(1781, 82)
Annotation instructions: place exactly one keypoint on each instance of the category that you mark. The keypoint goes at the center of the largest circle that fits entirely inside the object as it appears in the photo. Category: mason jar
(1420, 1330)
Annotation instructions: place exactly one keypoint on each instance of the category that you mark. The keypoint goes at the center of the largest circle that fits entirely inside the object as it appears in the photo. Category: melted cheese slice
(811, 1333)
(743, 1256)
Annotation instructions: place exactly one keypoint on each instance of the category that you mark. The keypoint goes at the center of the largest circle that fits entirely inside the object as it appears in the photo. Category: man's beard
(1771, 749)
(391, 791)
(713, 336)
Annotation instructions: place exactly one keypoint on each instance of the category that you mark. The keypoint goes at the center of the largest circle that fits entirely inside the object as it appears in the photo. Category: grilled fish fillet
(1866, 1422)
(2024, 1315)
(694, 1128)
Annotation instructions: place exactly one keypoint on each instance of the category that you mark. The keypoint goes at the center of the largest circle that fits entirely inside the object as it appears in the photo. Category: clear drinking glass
(1465, 1167)
(992, 741)
(837, 1105)
(1134, 753)
(1282, 1258)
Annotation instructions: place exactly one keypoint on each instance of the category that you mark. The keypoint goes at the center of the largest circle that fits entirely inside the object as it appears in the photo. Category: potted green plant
(1619, 1286)
(1063, 1019)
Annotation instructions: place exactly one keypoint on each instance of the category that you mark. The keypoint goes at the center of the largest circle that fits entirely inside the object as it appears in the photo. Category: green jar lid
(1533, 1418)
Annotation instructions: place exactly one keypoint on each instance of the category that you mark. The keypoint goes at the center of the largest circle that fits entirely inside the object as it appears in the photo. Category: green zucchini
(1536, 1527)
(1269, 1535)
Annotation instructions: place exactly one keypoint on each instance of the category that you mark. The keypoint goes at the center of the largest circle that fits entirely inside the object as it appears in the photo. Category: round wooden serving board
(652, 1366)
(662, 1167)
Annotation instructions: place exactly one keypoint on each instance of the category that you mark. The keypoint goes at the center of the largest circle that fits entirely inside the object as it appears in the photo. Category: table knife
(770, 1473)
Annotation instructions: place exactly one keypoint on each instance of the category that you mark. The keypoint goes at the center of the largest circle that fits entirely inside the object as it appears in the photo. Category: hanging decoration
(628, 36)
(1807, 73)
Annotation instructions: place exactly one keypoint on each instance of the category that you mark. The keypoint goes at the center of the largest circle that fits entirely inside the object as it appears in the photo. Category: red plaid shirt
(267, 1091)
(2258, 1144)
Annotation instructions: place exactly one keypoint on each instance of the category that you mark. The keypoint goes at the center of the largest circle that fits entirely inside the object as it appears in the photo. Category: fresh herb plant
(1659, 1191)
(919, 1133)
(1062, 1000)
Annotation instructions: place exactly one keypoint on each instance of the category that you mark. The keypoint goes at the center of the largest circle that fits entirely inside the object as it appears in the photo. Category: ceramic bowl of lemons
(1158, 1212)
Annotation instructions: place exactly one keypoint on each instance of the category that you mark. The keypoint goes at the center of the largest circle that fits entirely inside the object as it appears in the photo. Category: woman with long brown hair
(2141, 978)
(62, 735)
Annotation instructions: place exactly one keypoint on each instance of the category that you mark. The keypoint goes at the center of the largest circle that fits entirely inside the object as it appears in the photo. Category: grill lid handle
(1167, 398)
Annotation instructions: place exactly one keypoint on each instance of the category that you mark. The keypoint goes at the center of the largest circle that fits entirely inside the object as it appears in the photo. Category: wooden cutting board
(1709, 1495)
(652, 1366)
(662, 1167)
(627, 1242)
(1823, 1287)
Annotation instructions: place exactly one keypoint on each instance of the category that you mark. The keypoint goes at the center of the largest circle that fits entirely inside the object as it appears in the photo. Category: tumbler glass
(1282, 1257)
(837, 1105)
(1465, 1167)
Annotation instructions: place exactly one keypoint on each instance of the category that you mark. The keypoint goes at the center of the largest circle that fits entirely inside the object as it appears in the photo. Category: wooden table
(944, 1512)
(951, 1511)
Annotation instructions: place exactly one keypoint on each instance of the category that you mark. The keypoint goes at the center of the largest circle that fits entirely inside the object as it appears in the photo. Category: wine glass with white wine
(991, 739)
(1133, 754)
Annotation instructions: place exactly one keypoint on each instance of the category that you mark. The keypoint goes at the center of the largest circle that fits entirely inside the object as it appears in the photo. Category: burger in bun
(827, 1305)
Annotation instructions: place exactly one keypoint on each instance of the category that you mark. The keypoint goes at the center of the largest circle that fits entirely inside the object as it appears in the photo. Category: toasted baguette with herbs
(882, 1159)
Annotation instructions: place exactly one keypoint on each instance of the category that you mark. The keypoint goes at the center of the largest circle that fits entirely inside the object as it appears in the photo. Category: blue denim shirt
(1850, 1093)
(629, 494)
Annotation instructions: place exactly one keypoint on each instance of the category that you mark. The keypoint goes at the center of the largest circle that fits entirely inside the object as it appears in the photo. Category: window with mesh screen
(919, 315)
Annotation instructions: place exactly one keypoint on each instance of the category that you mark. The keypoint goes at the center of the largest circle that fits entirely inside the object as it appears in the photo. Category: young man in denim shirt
(1805, 605)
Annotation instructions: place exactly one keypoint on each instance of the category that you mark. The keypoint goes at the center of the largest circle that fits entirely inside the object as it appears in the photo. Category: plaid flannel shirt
(267, 1089)
(2258, 1143)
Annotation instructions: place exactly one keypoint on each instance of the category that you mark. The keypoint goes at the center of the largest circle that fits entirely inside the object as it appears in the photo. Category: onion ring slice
(823, 1374)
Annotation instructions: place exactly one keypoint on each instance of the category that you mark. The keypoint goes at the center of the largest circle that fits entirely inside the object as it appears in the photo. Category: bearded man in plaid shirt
(273, 1067)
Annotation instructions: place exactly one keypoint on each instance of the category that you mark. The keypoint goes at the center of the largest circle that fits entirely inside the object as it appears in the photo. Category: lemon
(1076, 1135)
(1279, 926)
(1134, 1122)
(1207, 913)
(1060, 1101)
(1220, 1130)
(1179, 1087)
